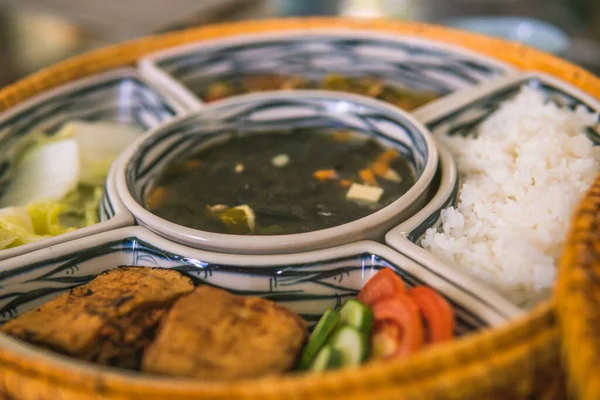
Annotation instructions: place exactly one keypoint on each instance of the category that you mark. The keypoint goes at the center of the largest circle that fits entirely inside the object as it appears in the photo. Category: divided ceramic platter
(482, 366)
(166, 86)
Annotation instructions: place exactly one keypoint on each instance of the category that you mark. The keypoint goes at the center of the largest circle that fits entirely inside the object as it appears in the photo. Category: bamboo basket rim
(443, 367)
(578, 304)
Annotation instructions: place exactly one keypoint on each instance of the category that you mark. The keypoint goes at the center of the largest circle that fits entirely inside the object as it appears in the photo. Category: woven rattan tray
(578, 304)
(521, 360)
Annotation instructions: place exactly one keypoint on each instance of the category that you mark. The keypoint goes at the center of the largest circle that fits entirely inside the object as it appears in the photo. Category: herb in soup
(281, 183)
(367, 86)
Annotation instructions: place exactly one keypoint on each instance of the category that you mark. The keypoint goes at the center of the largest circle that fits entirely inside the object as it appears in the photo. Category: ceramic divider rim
(168, 84)
(445, 191)
(251, 261)
(438, 109)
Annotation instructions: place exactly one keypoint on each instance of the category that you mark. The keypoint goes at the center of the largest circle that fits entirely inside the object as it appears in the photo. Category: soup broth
(281, 183)
(406, 99)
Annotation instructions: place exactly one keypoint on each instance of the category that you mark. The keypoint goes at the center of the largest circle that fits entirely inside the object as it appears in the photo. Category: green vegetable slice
(16, 228)
(270, 230)
(235, 220)
(319, 336)
(45, 217)
(82, 206)
(358, 315)
(328, 358)
(352, 343)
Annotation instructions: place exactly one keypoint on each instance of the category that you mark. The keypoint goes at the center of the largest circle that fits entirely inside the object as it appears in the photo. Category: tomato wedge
(437, 314)
(383, 285)
(398, 330)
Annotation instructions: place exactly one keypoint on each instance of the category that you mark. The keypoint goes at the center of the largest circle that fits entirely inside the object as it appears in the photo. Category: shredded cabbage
(59, 179)
(82, 205)
(16, 228)
(45, 217)
(46, 172)
(96, 156)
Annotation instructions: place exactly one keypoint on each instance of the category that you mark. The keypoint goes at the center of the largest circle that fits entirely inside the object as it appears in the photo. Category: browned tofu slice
(110, 320)
(212, 334)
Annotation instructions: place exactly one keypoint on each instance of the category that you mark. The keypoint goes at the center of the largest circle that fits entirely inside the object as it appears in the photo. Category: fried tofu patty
(110, 320)
(212, 334)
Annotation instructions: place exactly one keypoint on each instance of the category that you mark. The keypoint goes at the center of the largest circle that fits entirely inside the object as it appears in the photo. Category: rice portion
(521, 179)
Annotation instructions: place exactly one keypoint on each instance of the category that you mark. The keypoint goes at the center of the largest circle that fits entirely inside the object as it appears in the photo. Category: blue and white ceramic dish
(120, 95)
(256, 113)
(306, 272)
(307, 283)
(461, 114)
(401, 61)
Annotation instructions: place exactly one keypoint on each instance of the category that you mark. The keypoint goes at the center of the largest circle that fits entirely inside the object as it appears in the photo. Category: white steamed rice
(521, 179)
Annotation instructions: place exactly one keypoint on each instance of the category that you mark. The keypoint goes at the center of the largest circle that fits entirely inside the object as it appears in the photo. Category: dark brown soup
(281, 183)
(367, 86)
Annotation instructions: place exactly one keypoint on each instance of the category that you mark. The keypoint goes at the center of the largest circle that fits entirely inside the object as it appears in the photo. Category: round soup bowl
(143, 163)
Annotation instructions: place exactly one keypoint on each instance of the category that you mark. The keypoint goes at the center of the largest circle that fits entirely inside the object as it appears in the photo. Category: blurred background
(37, 33)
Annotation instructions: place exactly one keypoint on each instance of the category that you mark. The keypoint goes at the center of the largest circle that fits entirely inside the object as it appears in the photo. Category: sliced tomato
(398, 329)
(383, 285)
(437, 314)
